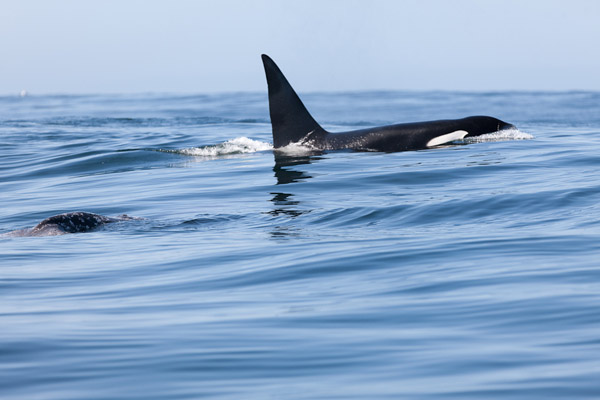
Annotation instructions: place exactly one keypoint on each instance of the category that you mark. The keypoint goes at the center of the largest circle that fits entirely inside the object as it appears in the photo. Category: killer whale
(292, 123)
(71, 222)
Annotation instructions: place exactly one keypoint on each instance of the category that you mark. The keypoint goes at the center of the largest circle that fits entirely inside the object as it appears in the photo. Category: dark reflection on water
(284, 205)
(286, 175)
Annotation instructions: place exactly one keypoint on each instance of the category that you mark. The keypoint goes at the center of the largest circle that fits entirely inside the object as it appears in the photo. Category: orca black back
(292, 123)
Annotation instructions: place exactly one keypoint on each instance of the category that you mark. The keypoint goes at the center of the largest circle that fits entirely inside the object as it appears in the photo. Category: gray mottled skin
(292, 123)
(72, 222)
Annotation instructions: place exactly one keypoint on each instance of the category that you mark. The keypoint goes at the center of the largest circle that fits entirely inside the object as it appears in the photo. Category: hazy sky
(209, 46)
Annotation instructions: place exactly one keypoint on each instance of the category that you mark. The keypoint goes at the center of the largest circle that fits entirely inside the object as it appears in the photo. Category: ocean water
(470, 271)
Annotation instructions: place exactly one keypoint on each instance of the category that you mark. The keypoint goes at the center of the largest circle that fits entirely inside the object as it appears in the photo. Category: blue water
(465, 272)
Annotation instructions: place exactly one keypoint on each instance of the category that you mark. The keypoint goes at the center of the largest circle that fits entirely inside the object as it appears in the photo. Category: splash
(240, 145)
(305, 146)
(507, 134)
(297, 149)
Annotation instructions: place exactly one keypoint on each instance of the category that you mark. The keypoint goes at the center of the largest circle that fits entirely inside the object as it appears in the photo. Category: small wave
(507, 134)
(239, 145)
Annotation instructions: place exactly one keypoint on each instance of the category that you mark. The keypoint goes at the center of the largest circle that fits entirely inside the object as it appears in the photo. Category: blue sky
(129, 46)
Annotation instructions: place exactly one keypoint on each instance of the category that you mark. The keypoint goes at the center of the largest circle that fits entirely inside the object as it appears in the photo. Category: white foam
(507, 134)
(304, 146)
(296, 149)
(240, 145)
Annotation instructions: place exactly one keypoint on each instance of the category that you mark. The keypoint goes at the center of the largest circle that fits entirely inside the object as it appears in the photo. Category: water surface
(468, 271)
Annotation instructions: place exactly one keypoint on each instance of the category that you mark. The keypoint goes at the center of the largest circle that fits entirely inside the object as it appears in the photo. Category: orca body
(72, 222)
(292, 123)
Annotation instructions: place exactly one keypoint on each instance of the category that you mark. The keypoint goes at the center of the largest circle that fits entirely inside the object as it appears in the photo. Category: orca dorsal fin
(290, 119)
